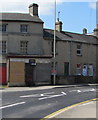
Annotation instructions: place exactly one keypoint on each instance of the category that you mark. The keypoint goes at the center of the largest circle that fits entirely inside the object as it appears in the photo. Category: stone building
(73, 51)
(27, 50)
(22, 54)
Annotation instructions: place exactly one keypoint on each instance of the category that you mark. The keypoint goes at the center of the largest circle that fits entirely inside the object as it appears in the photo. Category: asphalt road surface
(40, 103)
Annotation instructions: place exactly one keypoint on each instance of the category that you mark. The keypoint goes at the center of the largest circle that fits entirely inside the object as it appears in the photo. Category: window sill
(79, 55)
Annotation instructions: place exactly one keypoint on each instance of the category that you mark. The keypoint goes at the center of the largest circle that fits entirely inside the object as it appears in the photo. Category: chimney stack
(58, 26)
(33, 9)
(84, 31)
(96, 31)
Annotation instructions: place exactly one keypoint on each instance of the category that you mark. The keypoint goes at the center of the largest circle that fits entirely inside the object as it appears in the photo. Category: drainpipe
(70, 58)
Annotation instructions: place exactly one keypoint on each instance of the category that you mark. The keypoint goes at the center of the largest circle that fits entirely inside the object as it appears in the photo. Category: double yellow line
(66, 108)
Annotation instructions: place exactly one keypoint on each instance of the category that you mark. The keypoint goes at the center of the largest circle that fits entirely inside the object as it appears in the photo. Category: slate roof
(19, 17)
(69, 36)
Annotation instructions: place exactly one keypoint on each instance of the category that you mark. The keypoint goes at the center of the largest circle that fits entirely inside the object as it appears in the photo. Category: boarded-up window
(17, 73)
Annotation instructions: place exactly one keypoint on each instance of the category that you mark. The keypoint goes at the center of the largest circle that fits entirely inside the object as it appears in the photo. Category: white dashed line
(12, 105)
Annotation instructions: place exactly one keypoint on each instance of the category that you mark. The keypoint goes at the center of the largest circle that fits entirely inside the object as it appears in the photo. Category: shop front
(28, 70)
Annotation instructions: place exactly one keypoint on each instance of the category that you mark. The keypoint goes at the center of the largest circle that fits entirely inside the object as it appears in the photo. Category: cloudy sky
(75, 14)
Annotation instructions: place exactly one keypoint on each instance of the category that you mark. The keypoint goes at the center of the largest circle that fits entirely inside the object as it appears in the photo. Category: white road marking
(12, 105)
(83, 90)
(63, 94)
(78, 91)
(88, 90)
(93, 89)
(46, 94)
(35, 95)
(42, 94)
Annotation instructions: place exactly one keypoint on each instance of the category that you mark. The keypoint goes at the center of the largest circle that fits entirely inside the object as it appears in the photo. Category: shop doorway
(29, 74)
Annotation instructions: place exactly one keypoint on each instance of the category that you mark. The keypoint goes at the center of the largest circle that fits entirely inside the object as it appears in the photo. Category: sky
(74, 14)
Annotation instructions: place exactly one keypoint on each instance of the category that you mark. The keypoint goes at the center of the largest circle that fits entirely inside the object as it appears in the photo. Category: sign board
(54, 72)
(32, 61)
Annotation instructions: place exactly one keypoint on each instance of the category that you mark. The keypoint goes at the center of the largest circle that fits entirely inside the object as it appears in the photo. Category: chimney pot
(84, 31)
(58, 26)
(33, 9)
(96, 31)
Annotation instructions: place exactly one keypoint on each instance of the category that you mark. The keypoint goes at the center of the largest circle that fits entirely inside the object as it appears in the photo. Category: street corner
(84, 111)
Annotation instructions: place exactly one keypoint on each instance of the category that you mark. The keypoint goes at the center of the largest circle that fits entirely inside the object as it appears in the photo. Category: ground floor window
(78, 69)
(90, 70)
(84, 70)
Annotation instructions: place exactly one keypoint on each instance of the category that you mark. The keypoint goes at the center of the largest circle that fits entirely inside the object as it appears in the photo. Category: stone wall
(68, 80)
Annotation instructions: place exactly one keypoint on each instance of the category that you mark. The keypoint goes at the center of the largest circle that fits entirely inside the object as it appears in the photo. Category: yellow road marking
(64, 109)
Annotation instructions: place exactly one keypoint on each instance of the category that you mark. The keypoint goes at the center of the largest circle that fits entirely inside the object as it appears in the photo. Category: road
(40, 103)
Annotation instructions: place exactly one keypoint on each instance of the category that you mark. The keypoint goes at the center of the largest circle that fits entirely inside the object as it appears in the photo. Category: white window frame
(3, 47)
(23, 28)
(78, 69)
(23, 47)
(90, 70)
(3, 27)
(79, 49)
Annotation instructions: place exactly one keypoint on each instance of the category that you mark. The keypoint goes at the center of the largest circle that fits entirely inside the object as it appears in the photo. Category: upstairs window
(79, 49)
(3, 47)
(23, 47)
(3, 27)
(23, 28)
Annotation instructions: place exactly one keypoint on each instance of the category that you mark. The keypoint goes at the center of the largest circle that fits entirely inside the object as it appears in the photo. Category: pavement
(9, 89)
(86, 109)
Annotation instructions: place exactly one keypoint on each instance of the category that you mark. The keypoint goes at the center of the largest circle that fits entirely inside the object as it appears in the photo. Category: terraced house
(26, 56)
